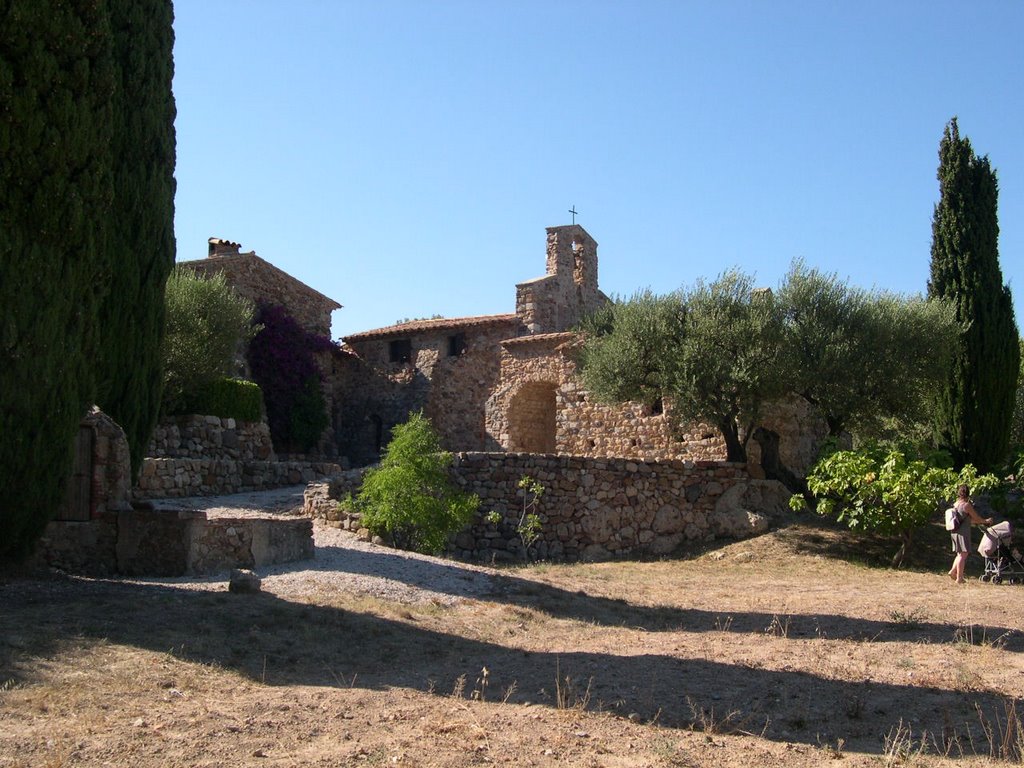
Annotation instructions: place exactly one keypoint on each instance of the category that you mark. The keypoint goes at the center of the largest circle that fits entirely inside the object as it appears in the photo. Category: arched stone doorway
(531, 418)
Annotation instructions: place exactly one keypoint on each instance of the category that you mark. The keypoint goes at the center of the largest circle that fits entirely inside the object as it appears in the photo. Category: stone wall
(539, 373)
(83, 537)
(211, 437)
(106, 533)
(177, 478)
(213, 456)
(592, 509)
(224, 543)
(147, 542)
(88, 547)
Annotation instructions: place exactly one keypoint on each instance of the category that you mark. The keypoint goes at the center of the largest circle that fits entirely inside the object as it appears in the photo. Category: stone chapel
(504, 382)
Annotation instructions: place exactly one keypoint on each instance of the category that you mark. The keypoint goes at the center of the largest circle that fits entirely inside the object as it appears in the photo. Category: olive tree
(713, 349)
(206, 322)
(863, 358)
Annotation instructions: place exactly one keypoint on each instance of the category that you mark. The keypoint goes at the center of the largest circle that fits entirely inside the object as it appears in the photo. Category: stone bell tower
(568, 292)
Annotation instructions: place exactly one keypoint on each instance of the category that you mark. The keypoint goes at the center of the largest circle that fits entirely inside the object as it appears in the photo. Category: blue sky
(404, 157)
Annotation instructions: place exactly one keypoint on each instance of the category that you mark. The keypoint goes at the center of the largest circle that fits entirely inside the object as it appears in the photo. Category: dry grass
(793, 649)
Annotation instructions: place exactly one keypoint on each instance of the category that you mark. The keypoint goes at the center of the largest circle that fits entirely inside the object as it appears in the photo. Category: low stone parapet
(179, 478)
(150, 542)
(320, 499)
(223, 543)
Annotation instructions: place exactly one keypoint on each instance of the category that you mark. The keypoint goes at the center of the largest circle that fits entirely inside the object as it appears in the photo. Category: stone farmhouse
(259, 280)
(510, 382)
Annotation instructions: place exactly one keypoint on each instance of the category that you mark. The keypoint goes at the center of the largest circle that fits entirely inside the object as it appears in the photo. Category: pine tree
(975, 408)
(56, 80)
(142, 242)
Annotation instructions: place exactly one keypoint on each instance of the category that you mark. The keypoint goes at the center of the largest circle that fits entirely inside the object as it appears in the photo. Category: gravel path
(346, 563)
(343, 563)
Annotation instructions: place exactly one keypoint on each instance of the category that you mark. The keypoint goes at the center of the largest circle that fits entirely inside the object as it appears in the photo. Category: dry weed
(901, 748)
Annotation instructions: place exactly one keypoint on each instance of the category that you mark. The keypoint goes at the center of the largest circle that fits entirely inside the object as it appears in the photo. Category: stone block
(244, 582)
(595, 553)
(667, 519)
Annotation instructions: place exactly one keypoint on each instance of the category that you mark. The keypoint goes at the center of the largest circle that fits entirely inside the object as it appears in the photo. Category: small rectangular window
(456, 344)
(400, 351)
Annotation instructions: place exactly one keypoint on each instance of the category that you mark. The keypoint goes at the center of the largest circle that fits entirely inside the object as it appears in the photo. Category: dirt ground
(797, 648)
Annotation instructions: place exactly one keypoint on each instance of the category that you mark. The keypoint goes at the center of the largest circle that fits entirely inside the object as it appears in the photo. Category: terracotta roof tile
(441, 323)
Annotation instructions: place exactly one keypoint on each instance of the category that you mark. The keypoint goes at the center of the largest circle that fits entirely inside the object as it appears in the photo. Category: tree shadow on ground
(505, 587)
(283, 643)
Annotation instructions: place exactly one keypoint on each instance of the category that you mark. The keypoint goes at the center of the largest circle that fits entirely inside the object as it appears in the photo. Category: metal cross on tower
(573, 212)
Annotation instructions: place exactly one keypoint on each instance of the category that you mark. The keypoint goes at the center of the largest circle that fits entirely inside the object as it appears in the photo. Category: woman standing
(961, 535)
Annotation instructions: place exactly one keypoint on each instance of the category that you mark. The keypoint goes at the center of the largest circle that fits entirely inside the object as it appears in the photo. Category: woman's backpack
(952, 519)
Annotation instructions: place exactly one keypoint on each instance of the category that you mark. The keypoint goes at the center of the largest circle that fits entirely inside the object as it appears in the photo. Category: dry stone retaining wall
(177, 478)
(591, 508)
(213, 456)
(211, 437)
(596, 509)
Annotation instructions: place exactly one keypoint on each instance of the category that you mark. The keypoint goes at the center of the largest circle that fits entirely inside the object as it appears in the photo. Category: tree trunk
(836, 425)
(772, 465)
(901, 553)
(734, 449)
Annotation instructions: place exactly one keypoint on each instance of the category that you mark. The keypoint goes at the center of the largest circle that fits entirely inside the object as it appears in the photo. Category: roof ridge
(427, 324)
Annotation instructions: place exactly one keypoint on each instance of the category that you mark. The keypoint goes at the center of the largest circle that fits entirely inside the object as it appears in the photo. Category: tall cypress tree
(975, 408)
(86, 209)
(142, 242)
(56, 81)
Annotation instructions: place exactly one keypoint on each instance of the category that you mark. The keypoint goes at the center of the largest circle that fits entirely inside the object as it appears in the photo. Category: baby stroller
(1003, 561)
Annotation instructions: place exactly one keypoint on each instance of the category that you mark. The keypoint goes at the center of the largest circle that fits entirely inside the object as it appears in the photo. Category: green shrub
(887, 490)
(228, 398)
(409, 499)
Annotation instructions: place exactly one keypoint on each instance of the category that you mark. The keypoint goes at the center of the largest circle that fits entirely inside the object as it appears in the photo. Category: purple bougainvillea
(283, 363)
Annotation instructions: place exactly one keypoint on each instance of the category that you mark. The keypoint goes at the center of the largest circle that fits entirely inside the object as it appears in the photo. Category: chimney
(220, 247)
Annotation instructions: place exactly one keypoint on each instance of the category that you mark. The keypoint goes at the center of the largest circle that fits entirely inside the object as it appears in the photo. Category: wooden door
(77, 504)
